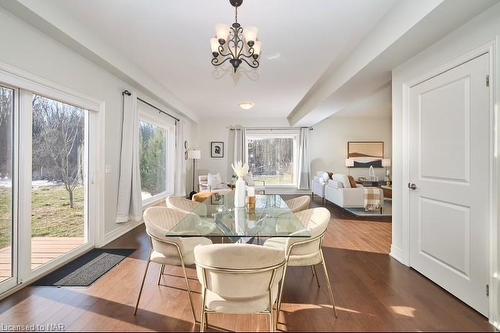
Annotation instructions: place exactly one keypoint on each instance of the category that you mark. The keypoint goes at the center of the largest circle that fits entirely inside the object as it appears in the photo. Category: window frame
(274, 134)
(153, 117)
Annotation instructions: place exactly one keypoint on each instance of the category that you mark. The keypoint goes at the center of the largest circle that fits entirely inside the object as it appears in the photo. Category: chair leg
(315, 273)
(188, 289)
(142, 286)
(203, 315)
(329, 285)
(281, 290)
(271, 321)
(161, 273)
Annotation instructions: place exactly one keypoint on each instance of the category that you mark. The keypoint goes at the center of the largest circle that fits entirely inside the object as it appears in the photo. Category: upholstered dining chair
(306, 252)
(239, 279)
(299, 203)
(186, 205)
(174, 251)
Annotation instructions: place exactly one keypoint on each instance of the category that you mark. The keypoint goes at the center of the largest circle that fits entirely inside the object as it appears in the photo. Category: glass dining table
(217, 217)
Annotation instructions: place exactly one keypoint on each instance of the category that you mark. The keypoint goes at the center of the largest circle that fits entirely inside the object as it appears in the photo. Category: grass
(51, 214)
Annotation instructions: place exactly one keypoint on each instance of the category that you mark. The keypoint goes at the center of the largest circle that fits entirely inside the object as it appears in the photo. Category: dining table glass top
(217, 217)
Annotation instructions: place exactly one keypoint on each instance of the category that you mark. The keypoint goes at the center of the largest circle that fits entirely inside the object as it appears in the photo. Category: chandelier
(235, 44)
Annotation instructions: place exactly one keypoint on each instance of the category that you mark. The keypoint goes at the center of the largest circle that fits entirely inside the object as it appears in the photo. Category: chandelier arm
(253, 64)
(250, 54)
(221, 51)
(216, 62)
(238, 41)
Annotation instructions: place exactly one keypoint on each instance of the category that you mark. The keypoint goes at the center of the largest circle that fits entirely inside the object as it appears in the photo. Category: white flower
(240, 169)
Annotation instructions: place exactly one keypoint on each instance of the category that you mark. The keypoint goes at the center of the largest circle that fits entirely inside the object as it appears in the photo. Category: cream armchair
(306, 252)
(299, 203)
(175, 251)
(186, 205)
(239, 279)
(318, 184)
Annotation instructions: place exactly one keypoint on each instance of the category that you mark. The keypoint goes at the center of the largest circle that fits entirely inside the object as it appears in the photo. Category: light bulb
(257, 48)
(214, 45)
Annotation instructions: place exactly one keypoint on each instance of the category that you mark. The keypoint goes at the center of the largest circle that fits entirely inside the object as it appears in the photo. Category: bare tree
(57, 140)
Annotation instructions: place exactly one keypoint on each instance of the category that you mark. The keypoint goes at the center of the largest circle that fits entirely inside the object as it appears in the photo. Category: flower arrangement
(240, 169)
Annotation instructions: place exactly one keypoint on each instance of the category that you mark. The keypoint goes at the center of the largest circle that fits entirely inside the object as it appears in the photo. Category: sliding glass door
(58, 179)
(7, 239)
(45, 163)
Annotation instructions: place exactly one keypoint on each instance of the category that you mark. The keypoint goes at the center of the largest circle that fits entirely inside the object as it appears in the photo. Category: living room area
(249, 165)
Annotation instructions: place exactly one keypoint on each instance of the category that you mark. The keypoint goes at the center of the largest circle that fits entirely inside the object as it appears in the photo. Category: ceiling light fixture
(247, 105)
(235, 44)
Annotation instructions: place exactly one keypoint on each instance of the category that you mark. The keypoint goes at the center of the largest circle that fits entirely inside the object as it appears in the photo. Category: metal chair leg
(281, 289)
(315, 273)
(161, 273)
(204, 318)
(142, 286)
(271, 321)
(328, 284)
(188, 289)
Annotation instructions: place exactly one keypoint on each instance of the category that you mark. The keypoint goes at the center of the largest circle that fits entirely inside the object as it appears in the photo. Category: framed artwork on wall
(366, 153)
(216, 149)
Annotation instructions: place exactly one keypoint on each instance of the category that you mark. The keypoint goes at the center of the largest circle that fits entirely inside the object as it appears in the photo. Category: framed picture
(366, 153)
(216, 149)
(217, 199)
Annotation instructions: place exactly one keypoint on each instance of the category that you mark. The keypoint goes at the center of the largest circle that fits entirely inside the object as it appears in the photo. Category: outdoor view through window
(272, 159)
(153, 159)
(6, 126)
(58, 178)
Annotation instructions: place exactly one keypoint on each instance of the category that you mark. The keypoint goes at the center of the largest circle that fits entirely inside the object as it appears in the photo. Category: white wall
(329, 142)
(28, 49)
(482, 29)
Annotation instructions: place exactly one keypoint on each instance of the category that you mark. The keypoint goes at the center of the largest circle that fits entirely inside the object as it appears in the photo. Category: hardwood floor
(373, 293)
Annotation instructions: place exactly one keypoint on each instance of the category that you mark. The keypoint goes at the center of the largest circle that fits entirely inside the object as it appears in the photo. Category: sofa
(340, 192)
(318, 184)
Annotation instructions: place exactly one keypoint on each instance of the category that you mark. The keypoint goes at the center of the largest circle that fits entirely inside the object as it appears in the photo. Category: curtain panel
(304, 170)
(129, 205)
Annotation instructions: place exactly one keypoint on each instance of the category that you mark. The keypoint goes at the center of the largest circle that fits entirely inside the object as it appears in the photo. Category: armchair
(211, 183)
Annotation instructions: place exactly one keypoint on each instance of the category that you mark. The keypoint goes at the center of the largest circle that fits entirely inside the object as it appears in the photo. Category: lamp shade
(386, 162)
(222, 31)
(250, 34)
(214, 44)
(194, 154)
(349, 163)
(257, 47)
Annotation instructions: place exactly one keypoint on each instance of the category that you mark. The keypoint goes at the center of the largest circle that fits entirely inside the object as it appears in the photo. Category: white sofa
(319, 183)
(339, 191)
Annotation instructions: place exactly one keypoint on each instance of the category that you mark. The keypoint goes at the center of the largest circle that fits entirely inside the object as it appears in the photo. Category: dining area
(241, 255)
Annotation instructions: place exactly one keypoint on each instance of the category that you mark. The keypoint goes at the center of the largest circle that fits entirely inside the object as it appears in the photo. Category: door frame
(25, 81)
(494, 251)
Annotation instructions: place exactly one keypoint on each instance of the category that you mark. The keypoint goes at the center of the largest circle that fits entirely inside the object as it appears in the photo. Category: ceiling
(169, 41)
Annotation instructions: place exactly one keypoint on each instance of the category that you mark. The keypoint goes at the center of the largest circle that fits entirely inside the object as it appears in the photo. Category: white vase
(240, 193)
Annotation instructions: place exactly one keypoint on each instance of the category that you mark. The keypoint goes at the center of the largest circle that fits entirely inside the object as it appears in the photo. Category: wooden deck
(44, 249)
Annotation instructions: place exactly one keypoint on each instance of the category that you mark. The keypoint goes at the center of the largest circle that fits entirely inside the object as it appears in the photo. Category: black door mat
(86, 269)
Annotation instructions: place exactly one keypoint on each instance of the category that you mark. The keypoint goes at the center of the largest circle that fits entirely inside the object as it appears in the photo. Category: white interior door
(450, 179)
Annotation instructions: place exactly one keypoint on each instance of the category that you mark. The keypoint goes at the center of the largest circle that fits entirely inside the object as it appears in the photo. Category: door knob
(412, 186)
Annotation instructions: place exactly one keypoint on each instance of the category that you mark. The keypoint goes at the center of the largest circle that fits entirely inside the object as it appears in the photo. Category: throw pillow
(343, 179)
(352, 182)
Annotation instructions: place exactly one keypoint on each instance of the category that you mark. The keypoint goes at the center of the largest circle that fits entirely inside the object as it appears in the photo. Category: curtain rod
(126, 92)
(268, 128)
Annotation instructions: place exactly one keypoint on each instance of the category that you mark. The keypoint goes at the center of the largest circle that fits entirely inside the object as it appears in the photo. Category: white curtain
(129, 205)
(237, 149)
(180, 161)
(304, 181)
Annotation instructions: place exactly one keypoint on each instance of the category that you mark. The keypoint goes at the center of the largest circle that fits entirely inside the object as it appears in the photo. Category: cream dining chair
(299, 203)
(174, 251)
(186, 205)
(306, 252)
(239, 279)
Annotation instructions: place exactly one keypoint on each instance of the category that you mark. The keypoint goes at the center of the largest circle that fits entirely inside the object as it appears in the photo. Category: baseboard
(118, 232)
(398, 254)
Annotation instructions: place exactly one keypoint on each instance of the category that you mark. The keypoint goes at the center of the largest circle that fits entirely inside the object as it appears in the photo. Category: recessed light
(247, 105)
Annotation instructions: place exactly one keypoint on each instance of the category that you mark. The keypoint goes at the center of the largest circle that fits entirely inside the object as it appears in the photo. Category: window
(156, 138)
(272, 157)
